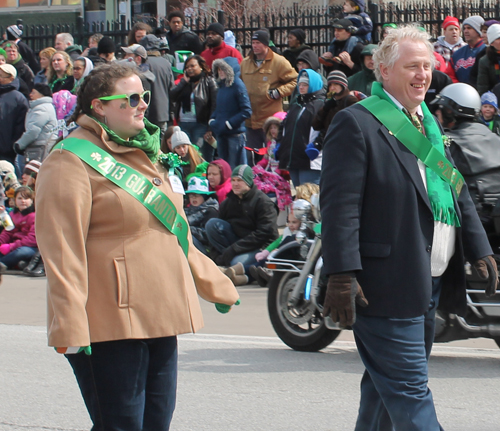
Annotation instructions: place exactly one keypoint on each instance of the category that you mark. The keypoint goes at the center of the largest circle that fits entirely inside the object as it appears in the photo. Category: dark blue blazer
(377, 220)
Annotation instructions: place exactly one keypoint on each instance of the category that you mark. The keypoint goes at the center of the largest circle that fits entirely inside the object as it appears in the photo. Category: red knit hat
(450, 20)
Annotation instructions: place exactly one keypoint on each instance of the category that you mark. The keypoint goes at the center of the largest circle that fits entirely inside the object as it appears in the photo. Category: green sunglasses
(133, 99)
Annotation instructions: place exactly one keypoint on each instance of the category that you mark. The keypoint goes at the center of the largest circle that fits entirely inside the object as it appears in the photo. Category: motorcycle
(297, 291)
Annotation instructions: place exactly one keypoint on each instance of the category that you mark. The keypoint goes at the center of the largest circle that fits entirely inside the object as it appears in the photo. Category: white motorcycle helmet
(462, 99)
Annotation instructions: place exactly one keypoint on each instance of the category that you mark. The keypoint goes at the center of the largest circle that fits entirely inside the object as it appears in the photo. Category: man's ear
(384, 71)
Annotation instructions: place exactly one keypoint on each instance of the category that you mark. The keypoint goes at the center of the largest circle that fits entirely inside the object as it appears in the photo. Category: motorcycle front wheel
(298, 327)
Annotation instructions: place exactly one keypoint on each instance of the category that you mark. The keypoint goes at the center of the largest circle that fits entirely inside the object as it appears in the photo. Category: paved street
(234, 375)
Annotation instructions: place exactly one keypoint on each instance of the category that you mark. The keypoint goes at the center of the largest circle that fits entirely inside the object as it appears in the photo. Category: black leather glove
(342, 292)
(18, 150)
(225, 258)
(487, 269)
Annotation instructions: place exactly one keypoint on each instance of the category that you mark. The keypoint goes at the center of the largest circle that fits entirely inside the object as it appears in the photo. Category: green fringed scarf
(438, 190)
(148, 139)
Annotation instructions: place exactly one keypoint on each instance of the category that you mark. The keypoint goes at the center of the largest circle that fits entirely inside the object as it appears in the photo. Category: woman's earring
(105, 120)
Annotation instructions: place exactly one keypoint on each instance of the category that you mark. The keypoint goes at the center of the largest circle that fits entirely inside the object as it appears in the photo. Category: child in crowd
(489, 112)
(258, 272)
(271, 129)
(219, 178)
(19, 244)
(202, 207)
(30, 173)
(354, 11)
(182, 146)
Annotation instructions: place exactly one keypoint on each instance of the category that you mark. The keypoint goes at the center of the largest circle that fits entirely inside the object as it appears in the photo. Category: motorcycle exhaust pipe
(492, 329)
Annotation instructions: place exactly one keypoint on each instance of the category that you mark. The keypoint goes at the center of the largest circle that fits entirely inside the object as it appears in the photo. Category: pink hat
(450, 20)
(280, 114)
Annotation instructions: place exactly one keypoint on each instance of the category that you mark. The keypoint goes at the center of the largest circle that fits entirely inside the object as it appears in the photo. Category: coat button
(428, 249)
(157, 181)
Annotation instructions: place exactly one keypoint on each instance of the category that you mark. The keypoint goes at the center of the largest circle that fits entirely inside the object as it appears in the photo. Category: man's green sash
(415, 141)
(133, 182)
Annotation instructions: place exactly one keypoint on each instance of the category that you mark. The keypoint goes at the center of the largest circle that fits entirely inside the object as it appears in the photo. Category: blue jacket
(463, 59)
(233, 104)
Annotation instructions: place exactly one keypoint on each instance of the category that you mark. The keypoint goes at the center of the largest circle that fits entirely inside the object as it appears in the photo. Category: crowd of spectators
(247, 130)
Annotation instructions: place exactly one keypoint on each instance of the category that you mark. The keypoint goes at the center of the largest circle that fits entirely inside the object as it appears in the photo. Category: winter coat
(462, 61)
(361, 20)
(292, 54)
(184, 40)
(330, 108)
(114, 271)
(58, 84)
(13, 109)
(353, 48)
(493, 124)
(297, 126)
(40, 122)
(205, 98)
(221, 51)
(28, 56)
(40, 77)
(253, 219)
(233, 104)
(225, 179)
(74, 51)
(275, 73)
(445, 49)
(487, 76)
(24, 72)
(197, 218)
(159, 109)
(23, 234)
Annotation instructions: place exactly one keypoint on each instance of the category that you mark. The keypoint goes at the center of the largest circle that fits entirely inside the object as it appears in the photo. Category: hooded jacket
(353, 48)
(184, 40)
(221, 51)
(233, 105)
(40, 122)
(361, 20)
(225, 179)
(74, 51)
(253, 219)
(292, 54)
(23, 234)
(275, 73)
(297, 126)
(13, 109)
(362, 80)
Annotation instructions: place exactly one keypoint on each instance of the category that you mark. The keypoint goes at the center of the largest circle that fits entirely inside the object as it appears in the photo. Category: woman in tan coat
(121, 286)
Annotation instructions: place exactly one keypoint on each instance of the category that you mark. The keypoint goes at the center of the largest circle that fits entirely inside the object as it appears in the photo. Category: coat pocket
(122, 282)
(374, 249)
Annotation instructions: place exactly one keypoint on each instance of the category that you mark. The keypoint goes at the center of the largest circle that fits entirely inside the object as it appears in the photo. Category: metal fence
(315, 21)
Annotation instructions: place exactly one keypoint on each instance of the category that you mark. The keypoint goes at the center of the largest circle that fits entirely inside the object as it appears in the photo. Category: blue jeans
(395, 352)
(14, 257)
(302, 176)
(195, 131)
(231, 148)
(129, 385)
(221, 236)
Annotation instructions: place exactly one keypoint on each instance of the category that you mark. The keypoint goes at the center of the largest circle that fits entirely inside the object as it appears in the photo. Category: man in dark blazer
(395, 236)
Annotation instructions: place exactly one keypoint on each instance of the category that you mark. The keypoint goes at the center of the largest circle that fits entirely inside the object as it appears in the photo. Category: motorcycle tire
(293, 335)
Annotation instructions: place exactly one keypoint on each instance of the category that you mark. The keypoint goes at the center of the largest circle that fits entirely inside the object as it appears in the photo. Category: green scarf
(438, 191)
(148, 139)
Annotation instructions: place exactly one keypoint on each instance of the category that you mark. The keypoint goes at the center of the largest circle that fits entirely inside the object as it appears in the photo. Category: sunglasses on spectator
(133, 99)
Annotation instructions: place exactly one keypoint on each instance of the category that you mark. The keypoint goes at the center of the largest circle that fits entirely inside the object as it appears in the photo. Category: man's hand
(487, 269)
(274, 94)
(226, 257)
(342, 292)
(327, 54)
(346, 59)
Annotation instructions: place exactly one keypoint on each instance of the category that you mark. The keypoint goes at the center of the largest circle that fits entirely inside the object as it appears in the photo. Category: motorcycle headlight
(301, 209)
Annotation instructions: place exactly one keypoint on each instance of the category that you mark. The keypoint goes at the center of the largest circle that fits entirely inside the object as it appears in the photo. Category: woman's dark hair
(201, 61)
(26, 192)
(99, 82)
(167, 135)
(177, 14)
(137, 26)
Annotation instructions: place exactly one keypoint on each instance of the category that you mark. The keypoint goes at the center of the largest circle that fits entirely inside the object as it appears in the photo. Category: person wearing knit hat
(463, 60)
(182, 146)
(339, 78)
(487, 75)
(216, 47)
(247, 223)
(363, 80)
(261, 36)
(180, 142)
(30, 173)
(450, 41)
(489, 112)
(296, 45)
(106, 49)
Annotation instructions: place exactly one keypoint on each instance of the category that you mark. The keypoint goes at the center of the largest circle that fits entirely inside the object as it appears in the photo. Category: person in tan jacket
(268, 77)
(120, 286)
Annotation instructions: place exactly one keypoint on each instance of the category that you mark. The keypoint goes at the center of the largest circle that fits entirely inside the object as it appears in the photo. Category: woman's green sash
(133, 182)
(415, 141)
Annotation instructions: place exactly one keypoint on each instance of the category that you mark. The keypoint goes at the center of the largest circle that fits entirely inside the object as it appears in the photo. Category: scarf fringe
(445, 215)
